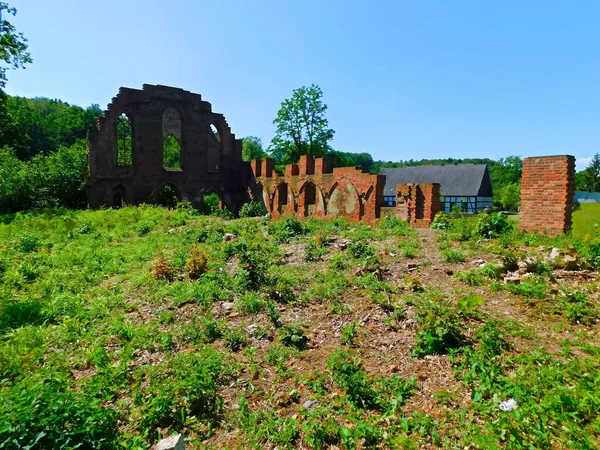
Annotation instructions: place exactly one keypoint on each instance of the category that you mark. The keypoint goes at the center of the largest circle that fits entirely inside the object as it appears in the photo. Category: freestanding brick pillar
(547, 191)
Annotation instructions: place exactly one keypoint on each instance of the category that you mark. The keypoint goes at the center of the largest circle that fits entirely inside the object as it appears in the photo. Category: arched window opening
(171, 153)
(118, 197)
(215, 132)
(310, 199)
(282, 196)
(124, 141)
(169, 196)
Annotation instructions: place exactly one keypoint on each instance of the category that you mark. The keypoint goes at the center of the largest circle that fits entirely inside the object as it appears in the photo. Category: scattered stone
(509, 405)
(478, 262)
(570, 262)
(282, 400)
(412, 265)
(228, 237)
(392, 254)
(512, 280)
(227, 306)
(171, 443)
(310, 404)
(555, 253)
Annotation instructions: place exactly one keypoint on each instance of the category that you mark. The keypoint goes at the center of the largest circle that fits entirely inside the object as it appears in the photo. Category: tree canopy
(589, 179)
(302, 128)
(41, 125)
(252, 148)
(13, 45)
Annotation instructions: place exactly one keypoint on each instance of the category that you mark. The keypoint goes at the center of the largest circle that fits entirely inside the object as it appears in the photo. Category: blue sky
(402, 79)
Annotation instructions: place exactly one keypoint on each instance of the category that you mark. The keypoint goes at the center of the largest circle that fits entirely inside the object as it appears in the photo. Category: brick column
(547, 191)
(268, 165)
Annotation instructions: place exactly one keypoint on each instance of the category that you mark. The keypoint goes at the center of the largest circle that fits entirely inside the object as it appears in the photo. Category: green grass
(585, 218)
(120, 327)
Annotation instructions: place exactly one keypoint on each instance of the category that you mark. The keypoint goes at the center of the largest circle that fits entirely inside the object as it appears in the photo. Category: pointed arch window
(124, 141)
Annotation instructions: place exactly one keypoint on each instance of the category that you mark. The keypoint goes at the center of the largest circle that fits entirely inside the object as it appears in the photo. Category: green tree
(13, 45)
(302, 128)
(509, 196)
(591, 175)
(252, 148)
(41, 125)
(347, 159)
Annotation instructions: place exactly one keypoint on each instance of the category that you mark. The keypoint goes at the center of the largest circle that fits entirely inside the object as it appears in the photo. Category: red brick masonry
(547, 191)
(313, 187)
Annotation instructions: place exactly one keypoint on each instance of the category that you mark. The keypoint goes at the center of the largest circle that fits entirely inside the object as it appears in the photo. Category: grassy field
(586, 219)
(121, 327)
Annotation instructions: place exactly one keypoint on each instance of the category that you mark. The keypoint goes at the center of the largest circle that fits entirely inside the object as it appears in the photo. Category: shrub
(274, 314)
(144, 228)
(454, 256)
(251, 303)
(163, 270)
(348, 374)
(253, 209)
(492, 225)
(441, 330)
(195, 265)
(349, 334)
(314, 250)
(236, 340)
(441, 221)
(360, 249)
(293, 336)
(47, 413)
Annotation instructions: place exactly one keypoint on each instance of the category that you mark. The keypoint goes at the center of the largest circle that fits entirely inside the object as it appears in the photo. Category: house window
(389, 200)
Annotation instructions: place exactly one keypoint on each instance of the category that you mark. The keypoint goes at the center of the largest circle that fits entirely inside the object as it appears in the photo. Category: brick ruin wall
(209, 163)
(547, 192)
(416, 203)
(313, 187)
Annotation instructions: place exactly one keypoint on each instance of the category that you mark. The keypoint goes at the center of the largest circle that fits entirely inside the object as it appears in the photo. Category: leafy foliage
(13, 45)
(301, 126)
(492, 225)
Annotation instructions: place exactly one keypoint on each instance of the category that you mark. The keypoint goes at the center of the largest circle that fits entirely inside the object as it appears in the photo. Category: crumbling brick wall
(547, 192)
(313, 187)
(418, 203)
(209, 162)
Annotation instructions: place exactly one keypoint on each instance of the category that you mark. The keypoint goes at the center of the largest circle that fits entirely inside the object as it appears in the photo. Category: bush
(58, 179)
(441, 330)
(48, 414)
(454, 256)
(195, 265)
(253, 209)
(492, 225)
(348, 374)
(441, 221)
(293, 336)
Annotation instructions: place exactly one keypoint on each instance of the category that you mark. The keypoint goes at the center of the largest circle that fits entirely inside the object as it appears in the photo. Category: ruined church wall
(207, 164)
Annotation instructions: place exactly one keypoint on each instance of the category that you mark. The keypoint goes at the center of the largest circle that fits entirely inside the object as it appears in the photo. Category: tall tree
(302, 128)
(252, 148)
(13, 45)
(592, 175)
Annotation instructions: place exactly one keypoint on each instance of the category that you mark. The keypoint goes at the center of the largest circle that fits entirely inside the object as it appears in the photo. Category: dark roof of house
(455, 180)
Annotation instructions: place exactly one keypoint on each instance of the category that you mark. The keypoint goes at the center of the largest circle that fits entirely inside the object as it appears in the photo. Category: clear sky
(402, 79)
